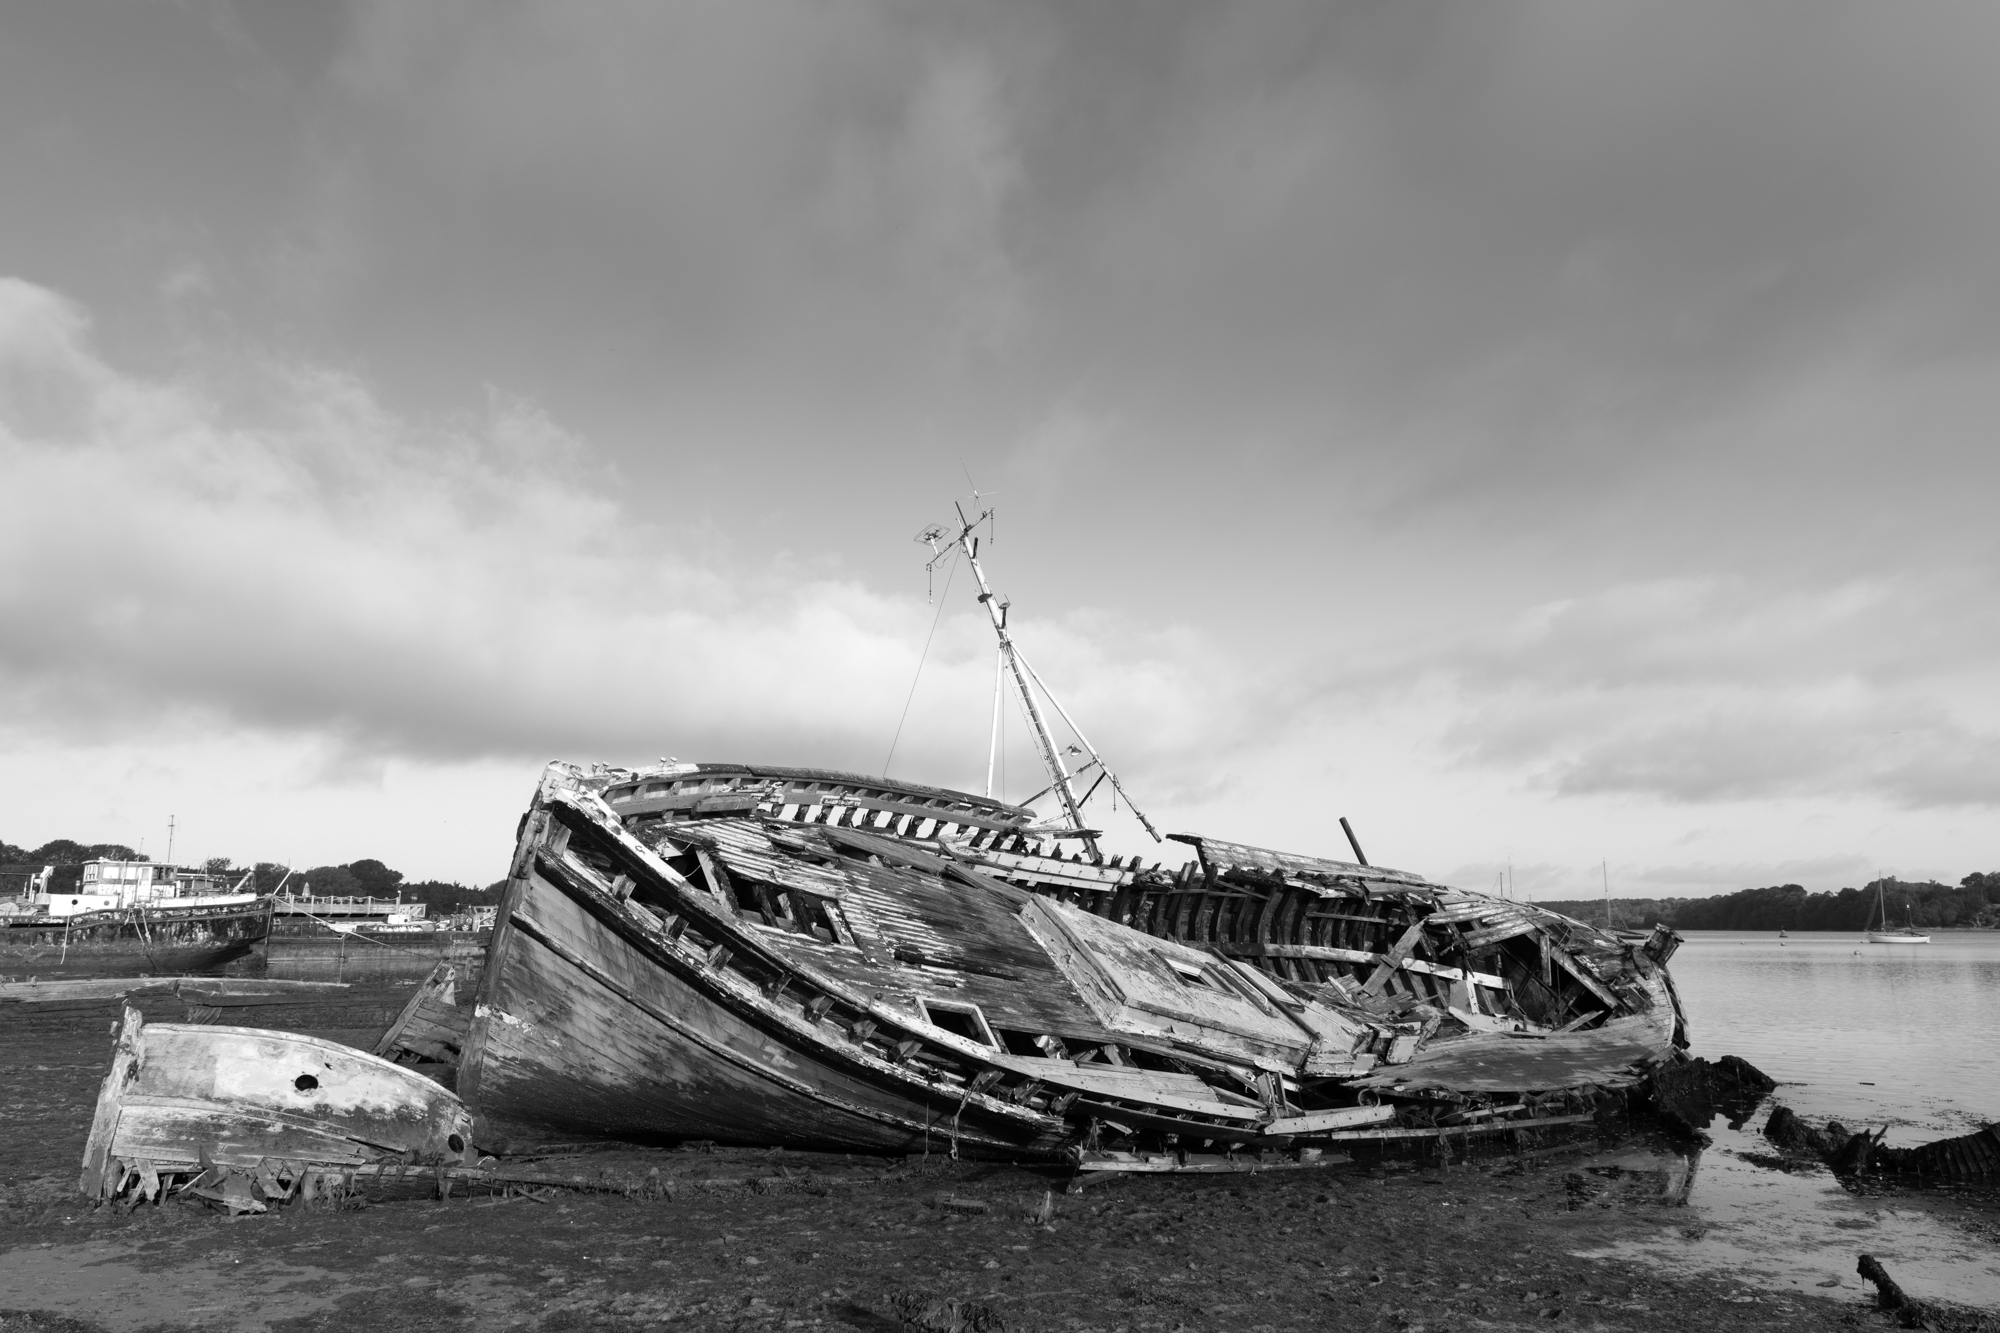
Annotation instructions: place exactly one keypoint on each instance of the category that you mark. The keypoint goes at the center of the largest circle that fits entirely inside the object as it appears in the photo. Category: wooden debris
(1938, 1316)
(431, 1026)
(1970, 1157)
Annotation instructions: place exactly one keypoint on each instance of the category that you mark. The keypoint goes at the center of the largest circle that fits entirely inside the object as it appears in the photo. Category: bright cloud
(282, 554)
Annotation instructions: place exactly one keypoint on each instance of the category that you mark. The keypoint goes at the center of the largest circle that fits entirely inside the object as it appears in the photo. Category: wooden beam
(1378, 980)
(1346, 1117)
(1588, 982)
(1506, 930)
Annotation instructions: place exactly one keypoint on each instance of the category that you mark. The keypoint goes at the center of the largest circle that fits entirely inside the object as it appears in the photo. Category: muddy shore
(735, 1239)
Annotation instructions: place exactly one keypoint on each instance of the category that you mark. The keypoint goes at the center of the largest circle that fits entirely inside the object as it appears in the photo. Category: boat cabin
(108, 885)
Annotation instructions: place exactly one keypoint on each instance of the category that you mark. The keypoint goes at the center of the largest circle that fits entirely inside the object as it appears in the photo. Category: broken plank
(1347, 1117)
(1330, 954)
(1200, 1163)
(1587, 981)
(1459, 1130)
(1378, 980)
(1480, 939)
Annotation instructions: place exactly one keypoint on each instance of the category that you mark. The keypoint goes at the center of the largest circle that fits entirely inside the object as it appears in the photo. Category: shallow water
(1906, 1036)
(1895, 1035)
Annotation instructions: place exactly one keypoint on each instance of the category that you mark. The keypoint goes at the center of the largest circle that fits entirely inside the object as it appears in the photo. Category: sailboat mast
(1059, 774)
(999, 689)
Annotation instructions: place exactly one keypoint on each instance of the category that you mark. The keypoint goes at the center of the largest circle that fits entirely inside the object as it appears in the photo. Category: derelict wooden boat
(796, 956)
(1303, 919)
(229, 1109)
(150, 940)
(859, 981)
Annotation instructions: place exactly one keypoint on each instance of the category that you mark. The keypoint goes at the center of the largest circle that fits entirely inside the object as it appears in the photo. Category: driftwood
(1965, 1157)
(1912, 1313)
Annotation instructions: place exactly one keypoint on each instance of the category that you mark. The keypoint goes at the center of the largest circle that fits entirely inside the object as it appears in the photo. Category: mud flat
(743, 1239)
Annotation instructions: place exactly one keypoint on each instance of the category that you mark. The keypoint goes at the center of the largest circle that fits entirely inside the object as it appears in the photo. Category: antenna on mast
(944, 543)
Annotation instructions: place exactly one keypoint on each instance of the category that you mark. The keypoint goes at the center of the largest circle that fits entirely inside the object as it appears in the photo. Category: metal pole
(1051, 756)
(1115, 784)
(999, 689)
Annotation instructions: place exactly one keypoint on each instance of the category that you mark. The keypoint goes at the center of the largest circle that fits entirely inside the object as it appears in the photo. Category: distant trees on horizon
(366, 878)
(1975, 903)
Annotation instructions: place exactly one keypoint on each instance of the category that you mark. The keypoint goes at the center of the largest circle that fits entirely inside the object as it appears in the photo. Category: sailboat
(1904, 934)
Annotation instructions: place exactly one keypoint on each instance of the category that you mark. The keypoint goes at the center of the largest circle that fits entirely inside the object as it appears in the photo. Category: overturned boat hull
(752, 965)
(186, 1101)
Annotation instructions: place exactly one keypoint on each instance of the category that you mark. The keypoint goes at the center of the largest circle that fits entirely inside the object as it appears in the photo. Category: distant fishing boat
(1904, 934)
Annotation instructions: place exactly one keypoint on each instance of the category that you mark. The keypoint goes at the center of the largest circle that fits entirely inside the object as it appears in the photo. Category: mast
(999, 690)
(1061, 781)
(996, 611)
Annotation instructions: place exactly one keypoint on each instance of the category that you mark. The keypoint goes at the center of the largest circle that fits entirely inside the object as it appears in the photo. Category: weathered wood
(183, 1097)
(1584, 978)
(427, 1020)
(1378, 980)
(747, 1029)
(1330, 954)
(1480, 939)
(1101, 1161)
(1345, 1118)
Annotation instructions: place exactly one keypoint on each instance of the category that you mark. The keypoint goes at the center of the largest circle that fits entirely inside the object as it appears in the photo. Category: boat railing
(348, 906)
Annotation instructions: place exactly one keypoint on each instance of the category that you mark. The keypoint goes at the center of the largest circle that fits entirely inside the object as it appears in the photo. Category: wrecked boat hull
(824, 974)
(586, 1026)
(150, 941)
(195, 1100)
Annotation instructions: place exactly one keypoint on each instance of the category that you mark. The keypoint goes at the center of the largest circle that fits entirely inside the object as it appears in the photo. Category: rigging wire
(949, 570)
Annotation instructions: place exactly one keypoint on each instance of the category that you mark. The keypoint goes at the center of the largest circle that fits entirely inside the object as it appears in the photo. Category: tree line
(366, 878)
(1973, 903)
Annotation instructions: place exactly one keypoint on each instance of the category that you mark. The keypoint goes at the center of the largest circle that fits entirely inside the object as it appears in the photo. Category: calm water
(1906, 1036)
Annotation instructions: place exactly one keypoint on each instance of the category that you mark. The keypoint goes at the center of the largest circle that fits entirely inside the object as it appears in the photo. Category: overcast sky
(1549, 435)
